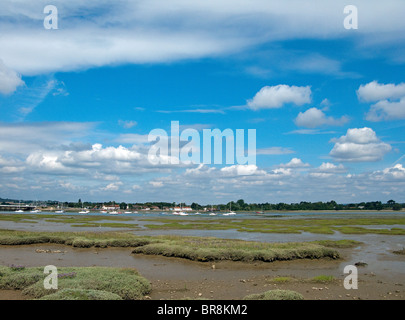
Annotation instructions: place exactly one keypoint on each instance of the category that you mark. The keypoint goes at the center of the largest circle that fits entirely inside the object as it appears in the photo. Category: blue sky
(327, 103)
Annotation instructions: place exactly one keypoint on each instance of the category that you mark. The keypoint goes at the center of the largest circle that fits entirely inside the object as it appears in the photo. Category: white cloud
(359, 145)
(386, 110)
(48, 163)
(295, 163)
(277, 96)
(127, 124)
(374, 91)
(25, 138)
(242, 170)
(9, 79)
(115, 186)
(200, 170)
(314, 63)
(397, 172)
(327, 167)
(147, 31)
(156, 184)
(313, 118)
(389, 98)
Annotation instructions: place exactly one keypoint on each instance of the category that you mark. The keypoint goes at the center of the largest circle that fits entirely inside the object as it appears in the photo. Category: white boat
(59, 211)
(84, 212)
(127, 212)
(230, 213)
(35, 211)
(19, 209)
(212, 214)
(103, 211)
(113, 212)
(181, 213)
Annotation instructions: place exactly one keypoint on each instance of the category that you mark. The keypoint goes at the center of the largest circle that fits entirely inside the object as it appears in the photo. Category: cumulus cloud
(295, 163)
(112, 186)
(375, 91)
(242, 170)
(389, 98)
(9, 79)
(327, 167)
(394, 173)
(387, 110)
(359, 145)
(313, 118)
(271, 97)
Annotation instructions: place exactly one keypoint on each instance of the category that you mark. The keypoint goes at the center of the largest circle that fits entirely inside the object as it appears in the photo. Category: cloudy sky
(77, 103)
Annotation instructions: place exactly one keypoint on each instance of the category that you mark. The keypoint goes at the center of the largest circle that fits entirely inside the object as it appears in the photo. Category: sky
(83, 85)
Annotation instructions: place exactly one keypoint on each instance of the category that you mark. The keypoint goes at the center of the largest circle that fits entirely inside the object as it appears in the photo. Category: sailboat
(19, 209)
(60, 210)
(230, 213)
(84, 211)
(212, 212)
(35, 210)
(182, 213)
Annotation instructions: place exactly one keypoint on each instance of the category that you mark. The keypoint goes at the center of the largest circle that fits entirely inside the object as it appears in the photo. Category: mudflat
(176, 278)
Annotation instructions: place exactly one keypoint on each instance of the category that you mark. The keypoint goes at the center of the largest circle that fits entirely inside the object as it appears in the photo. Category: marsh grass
(282, 280)
(192, 248)
(214, 249)
(344, 243)
(350, 225)
(323, 279)
(90, 282)
(275, 295)
(81, 294)
(75, 239)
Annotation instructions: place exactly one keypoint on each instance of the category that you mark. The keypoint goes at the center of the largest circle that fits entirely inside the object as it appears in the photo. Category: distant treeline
(239, 205)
